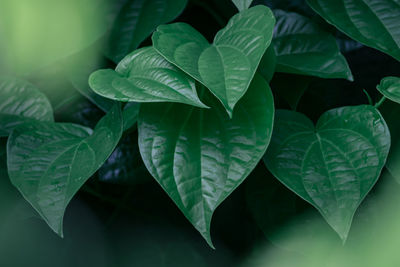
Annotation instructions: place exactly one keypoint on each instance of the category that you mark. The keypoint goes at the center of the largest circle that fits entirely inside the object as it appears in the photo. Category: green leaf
(333, 165)
(136, 21)
(242, 4)
(145, 76)
(199, 156)
(390, 88)
(227, 66)
(373, 23)
(49, 162)
(21, 102)
(302, 47)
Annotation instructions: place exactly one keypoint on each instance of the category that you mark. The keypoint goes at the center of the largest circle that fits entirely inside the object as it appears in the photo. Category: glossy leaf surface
(199, 156)
(332, 165)
(242, 4)
(21, 102)
(227, 66)
(303, 47)
(374, 23)
(49, 162)
(390, 88)
(145, 76)
(136, 20)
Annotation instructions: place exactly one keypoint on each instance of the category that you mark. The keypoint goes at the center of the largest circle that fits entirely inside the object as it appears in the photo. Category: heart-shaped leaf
(333, 165)
(227, 66)
(49, 162)
(374, 23)
(136, 20)
(199, 156)
(242, 4)
(302, 47)
(145, 76)
(390, 88)
(21, 102)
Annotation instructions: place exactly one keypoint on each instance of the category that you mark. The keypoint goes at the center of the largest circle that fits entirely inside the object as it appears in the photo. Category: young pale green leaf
(49, 162)
(136, 20)
(199, 156)
(374, 23)
(390, 88)
(333, 165)
(227, 66)
(242, 4)
(302, 47)
(21, 102)
(145, 76)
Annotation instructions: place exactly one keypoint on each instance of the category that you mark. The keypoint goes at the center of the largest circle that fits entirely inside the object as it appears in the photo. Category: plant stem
(369, 97)
(380, 102)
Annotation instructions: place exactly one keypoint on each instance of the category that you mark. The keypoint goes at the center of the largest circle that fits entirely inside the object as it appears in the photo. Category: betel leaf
(145, 76)
(303, 47)
(242, 4)
(390, 88)
(227, 66)
(136, 20)
(199, 156)
(21, 102)
(373, 23)
(49, 162)
(332, 165)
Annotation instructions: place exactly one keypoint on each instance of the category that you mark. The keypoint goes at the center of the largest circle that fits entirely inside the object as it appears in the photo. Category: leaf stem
(368, 97)
(380, 102)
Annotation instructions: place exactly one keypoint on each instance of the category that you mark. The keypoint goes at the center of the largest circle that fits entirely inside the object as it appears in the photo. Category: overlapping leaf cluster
(205, 112)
